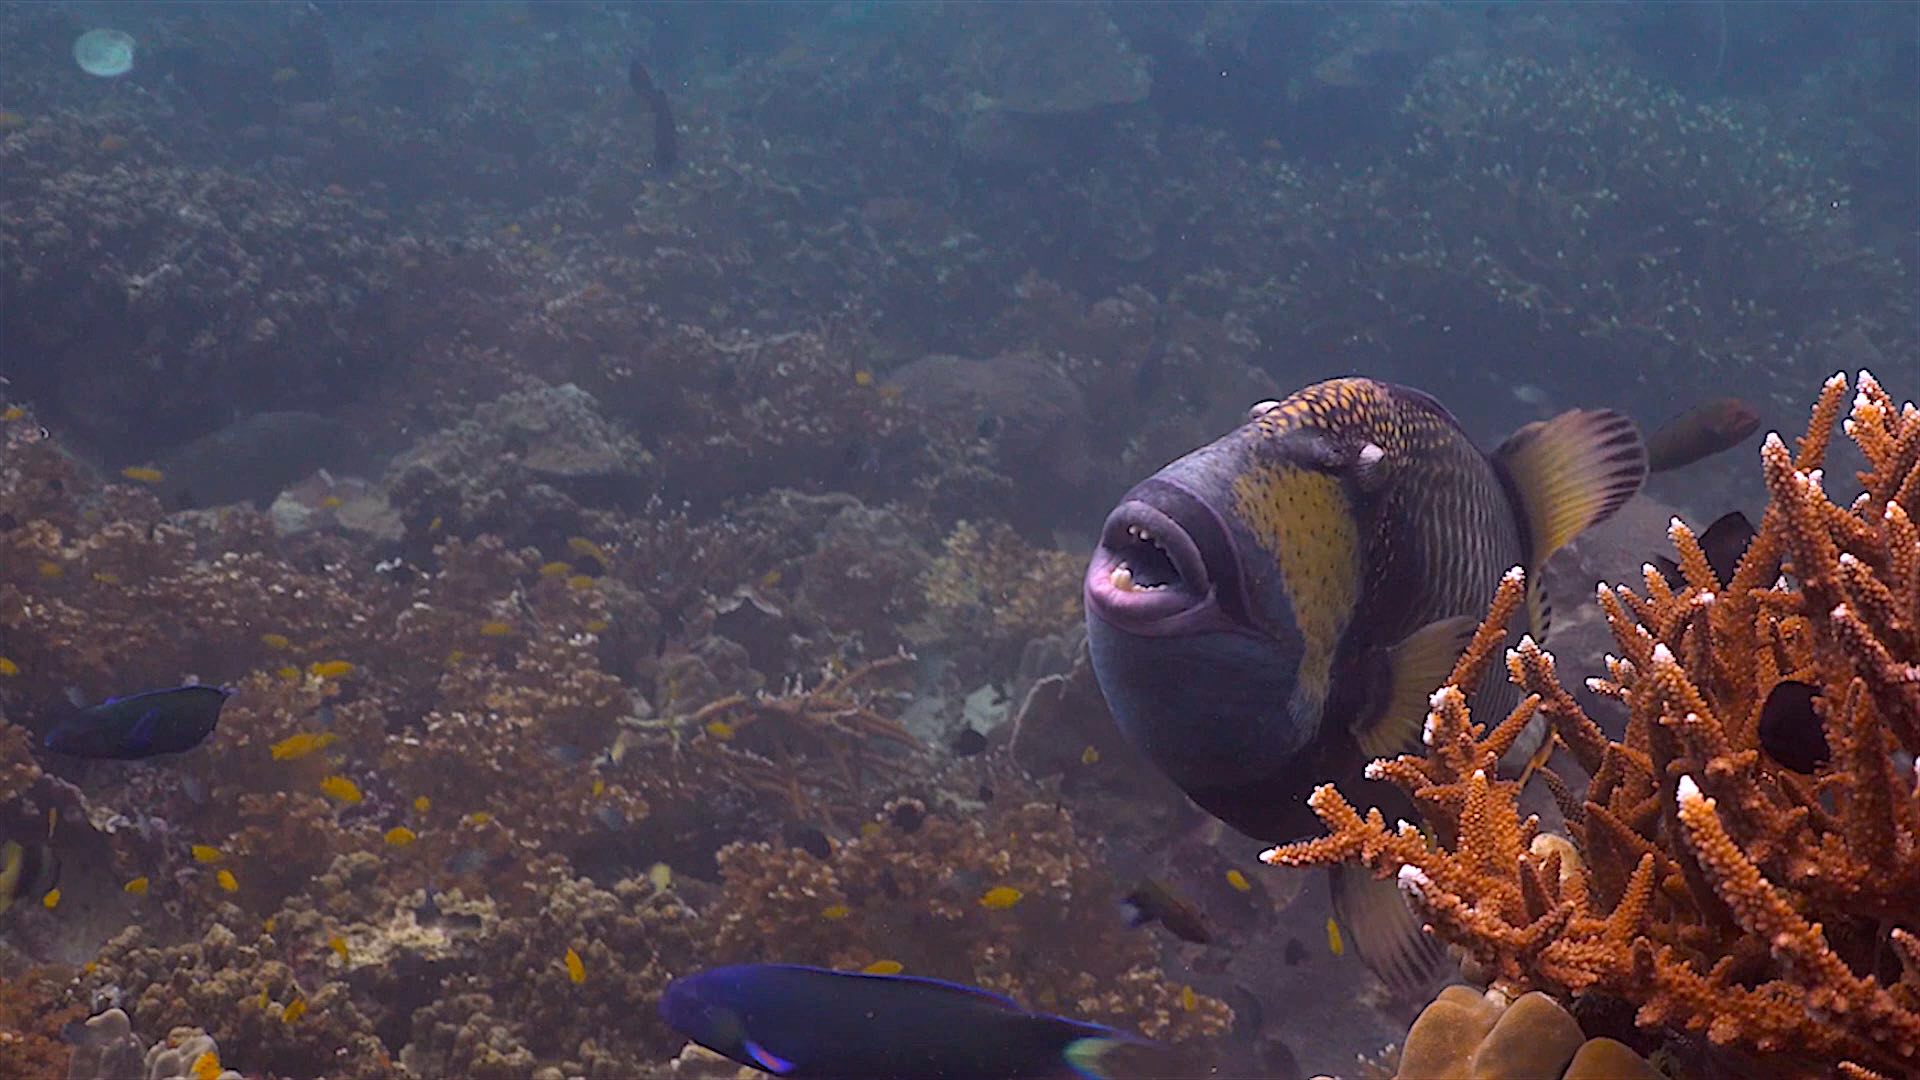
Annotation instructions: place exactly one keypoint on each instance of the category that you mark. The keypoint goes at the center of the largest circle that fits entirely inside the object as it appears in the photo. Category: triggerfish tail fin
(1419, 664)
(1569, 474)
(1386, 933)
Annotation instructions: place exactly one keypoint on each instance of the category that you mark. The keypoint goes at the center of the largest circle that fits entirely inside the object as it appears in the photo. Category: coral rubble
(1706, 884)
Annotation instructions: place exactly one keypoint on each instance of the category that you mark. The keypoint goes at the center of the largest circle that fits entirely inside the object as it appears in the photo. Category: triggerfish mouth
(792, 1020)
(1272, 611)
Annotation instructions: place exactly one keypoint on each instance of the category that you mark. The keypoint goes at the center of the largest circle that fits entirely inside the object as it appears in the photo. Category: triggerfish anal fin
(1419, 664)
(1387, 935)
(1568, 474)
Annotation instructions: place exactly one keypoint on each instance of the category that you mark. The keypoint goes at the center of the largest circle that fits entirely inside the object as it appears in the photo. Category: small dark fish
(27, 871)
(1702, 431)
(251, 459)
(808, 838)
(908, 815)
(1153, 901)
(666, 139)
(799, 1021)
(1724, 544)
(1790, 728)
(1296, 952)
(969, 742)
(141, 726)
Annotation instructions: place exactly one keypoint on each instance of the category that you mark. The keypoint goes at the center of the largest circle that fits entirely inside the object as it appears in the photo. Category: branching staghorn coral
(1711, 887)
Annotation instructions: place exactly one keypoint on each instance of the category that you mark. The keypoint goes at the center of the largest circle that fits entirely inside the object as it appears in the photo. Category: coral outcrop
(1707, 884)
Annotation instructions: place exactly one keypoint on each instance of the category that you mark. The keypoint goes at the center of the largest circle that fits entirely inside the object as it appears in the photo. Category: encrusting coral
(1465, 1033)
(1706, 884)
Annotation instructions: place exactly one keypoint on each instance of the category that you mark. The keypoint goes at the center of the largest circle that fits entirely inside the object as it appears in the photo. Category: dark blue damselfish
(798, 1021)
(141, 725)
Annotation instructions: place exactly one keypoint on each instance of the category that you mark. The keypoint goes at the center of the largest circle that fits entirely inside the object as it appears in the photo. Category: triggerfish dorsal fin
(1418, 665)
(1568, 474)
(1387, 935)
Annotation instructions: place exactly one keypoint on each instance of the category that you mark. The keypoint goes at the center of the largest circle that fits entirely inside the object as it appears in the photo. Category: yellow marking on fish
(1239, 881)
(1334, 944)
(51, 900)
(556, 568)
(1303, 519)
(295, 747)
(330, 669)
(339, 946)
(1089, 756)
(1189, 1000)
(884, 967)
(835, 912)
(207, 1066)
(576, 970)
(400, 836)
(340, 789)
(276, 641)
(145, 474)
(227, 881)
(8, 667)
(206, 853)
(1000, 897)
(720, 729)
(495, 628)
(14, 412)
(584, 547)
(137, 887)
(294, 1010)
(422, 804)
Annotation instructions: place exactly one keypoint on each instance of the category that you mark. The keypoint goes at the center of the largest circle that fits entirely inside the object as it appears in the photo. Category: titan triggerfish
(1272, 611)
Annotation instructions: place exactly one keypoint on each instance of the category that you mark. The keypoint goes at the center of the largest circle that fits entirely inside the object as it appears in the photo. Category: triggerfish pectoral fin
(1419, 664)
(1569, 474)
(1386, 933)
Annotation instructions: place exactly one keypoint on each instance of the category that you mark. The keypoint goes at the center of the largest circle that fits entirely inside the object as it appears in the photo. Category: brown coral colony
(1714, 889)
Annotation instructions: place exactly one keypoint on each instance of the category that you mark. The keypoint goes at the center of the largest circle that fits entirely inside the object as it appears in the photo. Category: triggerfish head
(792, 1020)
(1272, 611)
(141, 725)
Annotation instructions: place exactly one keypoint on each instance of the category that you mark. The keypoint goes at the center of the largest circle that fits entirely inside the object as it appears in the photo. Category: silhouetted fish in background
(251, 459)
(666, 139)
(1790, 728)
(1272, 611)
(1153, 901)
(27, 869)
(1724, 544)
(1702, 431)
(141, 726)
(798, 1021)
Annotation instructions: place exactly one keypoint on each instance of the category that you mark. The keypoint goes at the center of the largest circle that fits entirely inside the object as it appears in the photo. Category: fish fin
(1388, 935)
(767, 1059)
(1676, 578)
(1725, 543)
(1539, 606)
(1083, 1056)
(1419, 664)
(1570, 473)
(1118, 1055)
(141, 737)
(13, 861)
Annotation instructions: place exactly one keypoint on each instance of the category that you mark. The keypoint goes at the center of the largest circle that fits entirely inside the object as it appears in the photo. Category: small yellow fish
(288, 673)
(14, 412)
(720, 729)
(295, 747)
(836, 912)
(339, 946)
(771, 578)
(341, 789)
(206, 853)
(400, 836)
(456, 656)
(863, 378)
(580, 582)
(870, 829)
(295, 1009)
(269, 924)
(227, 881)
(332, 502)
(434, 525)
(422, 804)
(595, 626)
(1334, 944)
(1089, 756)
(330, 669)
(1000, 897)
(51, 900)
(106, 577)
(576, 970)
(495, 628)
(50, 569)
(1188, 999)
(586, 548)
(556, 569)
(599, 787)
(1239, 881)
(145, 474)
(136, 887)
(276, 641)
(660, 875)
(479, 817)
(263, 1000)
(285, 75)
(8, 667)
(883, 967)
(207, 1066)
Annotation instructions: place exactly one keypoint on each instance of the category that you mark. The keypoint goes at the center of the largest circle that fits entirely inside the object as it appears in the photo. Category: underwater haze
(551, 539)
